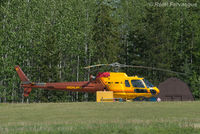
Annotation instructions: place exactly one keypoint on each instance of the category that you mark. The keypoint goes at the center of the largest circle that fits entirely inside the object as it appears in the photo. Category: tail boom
(84, 86)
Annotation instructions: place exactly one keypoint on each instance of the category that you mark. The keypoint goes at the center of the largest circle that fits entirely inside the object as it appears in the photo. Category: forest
(53, 40)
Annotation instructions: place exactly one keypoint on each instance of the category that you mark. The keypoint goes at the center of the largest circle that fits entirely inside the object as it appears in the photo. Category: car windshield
(137, 83)
(148, 84)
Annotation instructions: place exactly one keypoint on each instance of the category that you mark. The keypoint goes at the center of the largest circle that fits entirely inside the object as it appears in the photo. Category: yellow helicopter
(122, 86)
(128, 87)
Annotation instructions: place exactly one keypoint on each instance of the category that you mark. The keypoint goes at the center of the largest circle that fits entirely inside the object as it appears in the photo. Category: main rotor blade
(116, 64)
(153, 68)
(95, 66)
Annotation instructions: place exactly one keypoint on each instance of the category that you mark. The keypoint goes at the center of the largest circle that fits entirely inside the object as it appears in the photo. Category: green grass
(101, 118)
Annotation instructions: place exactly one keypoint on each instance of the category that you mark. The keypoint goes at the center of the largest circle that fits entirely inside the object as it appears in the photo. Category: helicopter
(123, 86)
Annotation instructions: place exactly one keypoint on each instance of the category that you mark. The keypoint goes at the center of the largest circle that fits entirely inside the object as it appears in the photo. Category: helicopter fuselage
(123, 86)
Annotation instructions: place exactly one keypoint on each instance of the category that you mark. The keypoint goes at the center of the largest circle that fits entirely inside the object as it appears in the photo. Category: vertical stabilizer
(21, 74)
(25, 81)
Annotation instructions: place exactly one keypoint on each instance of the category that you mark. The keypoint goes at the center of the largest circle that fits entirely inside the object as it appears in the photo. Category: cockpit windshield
(148, 84)
(137, 83)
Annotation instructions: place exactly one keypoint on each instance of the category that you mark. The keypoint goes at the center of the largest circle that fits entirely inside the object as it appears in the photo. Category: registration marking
(73, 87)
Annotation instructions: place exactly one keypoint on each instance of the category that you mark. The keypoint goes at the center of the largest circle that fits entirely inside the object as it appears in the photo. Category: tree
(105, 34)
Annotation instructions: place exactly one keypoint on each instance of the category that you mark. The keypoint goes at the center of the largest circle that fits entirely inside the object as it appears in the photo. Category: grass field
(101, 118)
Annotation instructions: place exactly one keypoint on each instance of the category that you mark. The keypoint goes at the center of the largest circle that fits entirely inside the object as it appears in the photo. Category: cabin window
(127, 84)
(137, 83)
(116, 82)
(140, 91)
(109, 82)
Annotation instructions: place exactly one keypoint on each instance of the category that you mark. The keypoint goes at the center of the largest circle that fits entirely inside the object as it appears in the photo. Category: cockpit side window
(127, 84)
(137, 83)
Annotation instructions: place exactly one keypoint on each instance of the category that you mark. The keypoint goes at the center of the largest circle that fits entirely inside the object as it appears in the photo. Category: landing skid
(145, 99)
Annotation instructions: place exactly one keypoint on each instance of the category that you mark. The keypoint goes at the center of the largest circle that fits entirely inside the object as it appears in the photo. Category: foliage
(53, 40)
